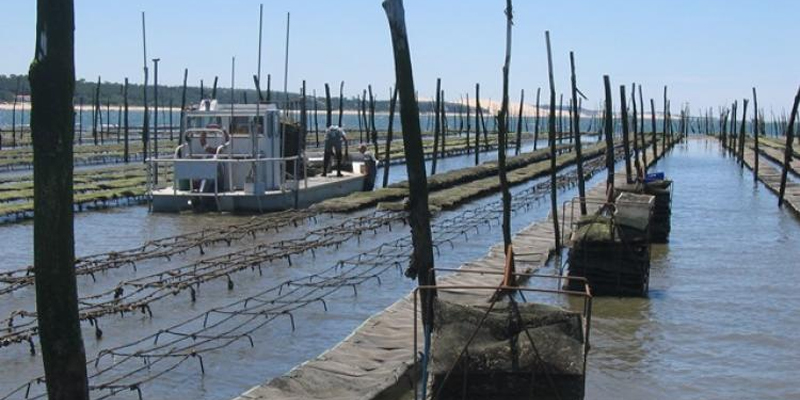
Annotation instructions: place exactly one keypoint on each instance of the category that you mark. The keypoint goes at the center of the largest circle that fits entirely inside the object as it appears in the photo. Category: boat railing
(290, 182)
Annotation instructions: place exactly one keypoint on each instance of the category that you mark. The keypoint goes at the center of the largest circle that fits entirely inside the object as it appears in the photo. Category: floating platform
(312, 190)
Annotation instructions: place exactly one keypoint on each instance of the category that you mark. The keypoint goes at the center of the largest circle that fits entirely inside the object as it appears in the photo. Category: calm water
(721, 321)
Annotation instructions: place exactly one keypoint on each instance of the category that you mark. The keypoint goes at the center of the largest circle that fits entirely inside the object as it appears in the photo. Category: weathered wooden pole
(373, 129)
(664, 122)
(787, 152)
(316, 117)
(95, 111)
(341, 103)
(214, 88)
(552, 141)
(561, 119)
(653, 127)
(269, 88)
(389, 132)
(477, 123)
(536, 122)
(421, 265)
(734, 137)
(609, 134)
(328, 110)
(80, 123)
(52, 81)
(742, 128)
(14, 116)
(436, 125)
(445, 124)
(641, 121)
(502, 137)
(364, 116)
(519, 122)
(183, 105)
(358, 117)
(468, 123)
(155, 117)
(755, 133)
(126, 148)
(146, 117)
(626, 145)
(640, 129)
(576, 122)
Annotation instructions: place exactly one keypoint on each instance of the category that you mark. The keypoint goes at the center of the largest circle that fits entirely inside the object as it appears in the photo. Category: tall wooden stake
(437, 125)
(52, 81)
(576, 118)
(755, 133)
(502, 138)
(125, 154)
(625, 138)
(787, 153)
(552, 140)
(519, 122)
(536, 123)
(477, 123)
(421, 265)
(609, 134)
(389, 131)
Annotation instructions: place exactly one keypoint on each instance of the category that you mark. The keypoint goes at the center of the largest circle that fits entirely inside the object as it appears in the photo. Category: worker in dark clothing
(371, 166)
(333, 142)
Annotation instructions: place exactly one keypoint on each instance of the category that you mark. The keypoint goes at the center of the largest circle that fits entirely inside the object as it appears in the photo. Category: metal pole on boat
(155, 117)
(286, 60)
(145, 127)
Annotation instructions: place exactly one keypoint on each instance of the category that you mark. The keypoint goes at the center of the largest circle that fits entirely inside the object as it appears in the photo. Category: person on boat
(209, 149)
(333, 142)
(371, 166)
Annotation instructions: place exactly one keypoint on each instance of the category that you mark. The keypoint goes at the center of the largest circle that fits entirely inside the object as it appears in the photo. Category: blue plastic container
(655, 176)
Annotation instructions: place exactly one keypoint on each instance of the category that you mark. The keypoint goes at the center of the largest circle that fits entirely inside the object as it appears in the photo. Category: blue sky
(709, 52)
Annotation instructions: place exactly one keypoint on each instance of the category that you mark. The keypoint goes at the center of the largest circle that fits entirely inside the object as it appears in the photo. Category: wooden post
(552, 141)
(641, 132)
(576, 118)
(468, 124)
(183, 104)
(95, 111)
(734, 137)
(664, 123)
(626, 145)
(536, 123)
(316, 118)
(653, 127)
(787, 152)
(14, 117)
(609, 134)
(358, 115)
(125, 154)
(364, 116)
(741, 134)
(328, 110)
(502, 137)
(214, 88)
(519, 122)
(437, 125)
(477, 123)
(755, 133)
(560, 130)
(341, 103)
(155, 116)
(373, 130)
(445, 124)
(52, 81)
(80, 123)
(389, 131)
(421, 265)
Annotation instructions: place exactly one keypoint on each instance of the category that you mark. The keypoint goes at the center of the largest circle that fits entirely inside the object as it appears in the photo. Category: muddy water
(722, 319)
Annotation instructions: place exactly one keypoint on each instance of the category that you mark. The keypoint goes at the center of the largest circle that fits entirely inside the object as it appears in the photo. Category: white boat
(242, 158)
